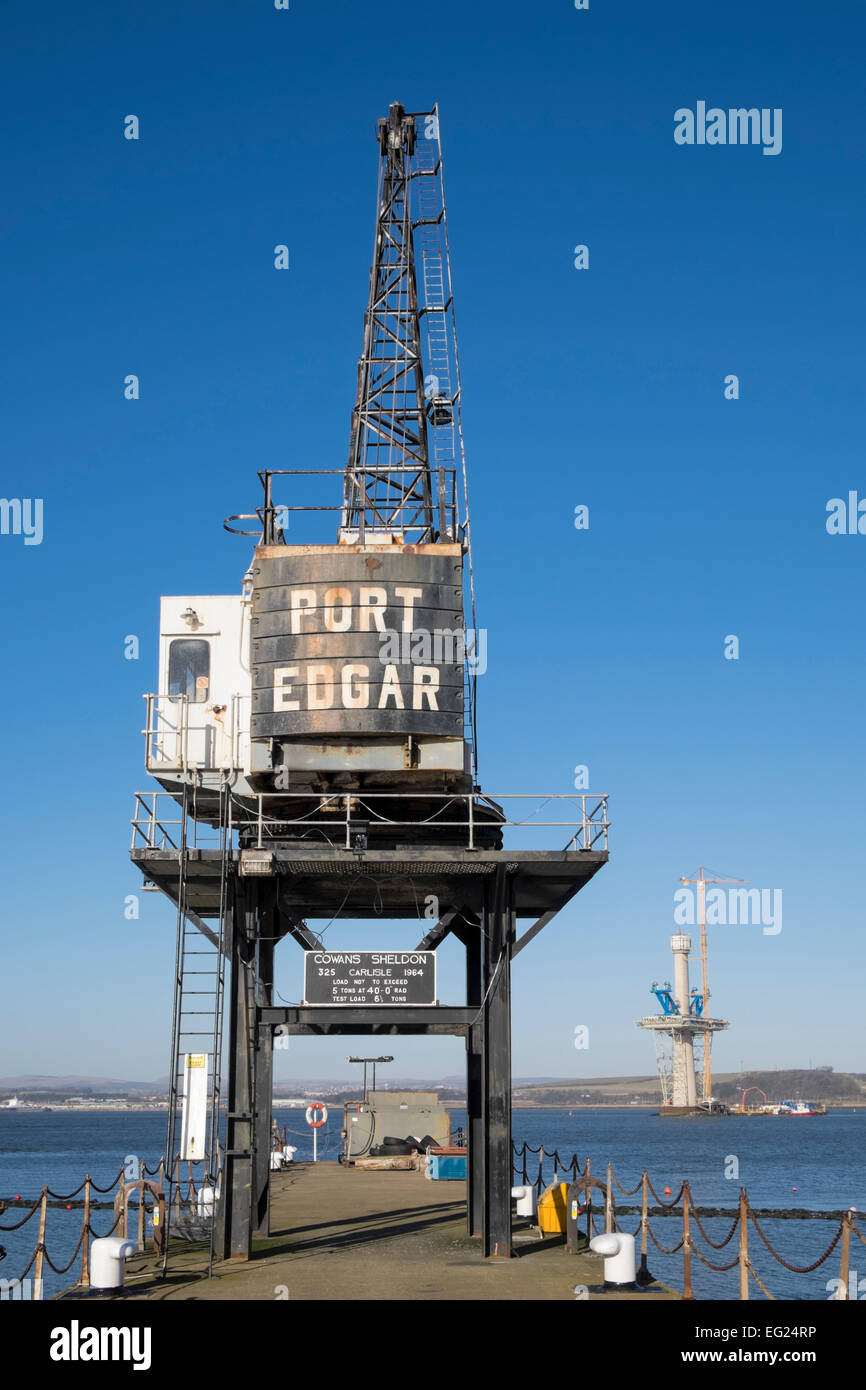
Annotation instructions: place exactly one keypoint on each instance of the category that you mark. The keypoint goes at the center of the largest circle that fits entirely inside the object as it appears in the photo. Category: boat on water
(801, 1107)
(785, 1107)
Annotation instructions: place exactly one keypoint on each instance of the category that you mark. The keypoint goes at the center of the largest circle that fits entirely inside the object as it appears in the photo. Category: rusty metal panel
(270, 724)
(279, 622)
(386, 755)
(348, 640)
(330, 668)
(333, 601)
(355, 646)
(434, 564)
(437, 550)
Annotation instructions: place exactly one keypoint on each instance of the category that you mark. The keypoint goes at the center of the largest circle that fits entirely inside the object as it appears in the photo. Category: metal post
(744, 1246)
(264, 1063)
(496, 1017)
(643, 1276)
(845, 1257)
(572, 1215)
(84, 1281)
(608, 1202)
(470, 934)
(183, 714)
(233, 1234)
(268, 518)
(140, 1239)
(687, 1247)
(443, 522)
(475, 1129)
(40, 1245)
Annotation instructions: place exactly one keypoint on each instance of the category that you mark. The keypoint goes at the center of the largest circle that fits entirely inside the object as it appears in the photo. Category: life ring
(311, 1109)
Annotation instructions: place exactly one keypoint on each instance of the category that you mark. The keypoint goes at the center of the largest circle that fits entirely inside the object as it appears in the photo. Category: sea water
(823, 1158)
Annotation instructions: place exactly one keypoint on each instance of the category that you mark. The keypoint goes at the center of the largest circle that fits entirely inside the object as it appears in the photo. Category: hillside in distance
(820, 1083)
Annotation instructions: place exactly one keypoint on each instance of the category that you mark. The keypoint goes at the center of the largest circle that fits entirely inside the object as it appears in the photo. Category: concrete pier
(344, 1234)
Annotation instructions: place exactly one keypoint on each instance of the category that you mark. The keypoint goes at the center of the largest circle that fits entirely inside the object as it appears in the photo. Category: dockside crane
(315, 738)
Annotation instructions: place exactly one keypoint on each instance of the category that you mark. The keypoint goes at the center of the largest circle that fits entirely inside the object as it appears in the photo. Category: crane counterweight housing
(328, 627)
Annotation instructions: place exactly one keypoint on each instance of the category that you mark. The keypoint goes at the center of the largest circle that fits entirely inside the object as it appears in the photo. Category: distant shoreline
(162, 1107)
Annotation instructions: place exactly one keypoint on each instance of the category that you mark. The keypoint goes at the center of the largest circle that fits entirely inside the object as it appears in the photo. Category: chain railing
(683, 1205)
(150, 1204)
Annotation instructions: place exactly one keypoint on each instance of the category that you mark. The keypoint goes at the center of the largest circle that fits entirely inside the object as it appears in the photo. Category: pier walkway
(347, 1234)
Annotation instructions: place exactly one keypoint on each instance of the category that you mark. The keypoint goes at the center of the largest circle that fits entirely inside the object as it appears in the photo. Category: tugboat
(801, 1107)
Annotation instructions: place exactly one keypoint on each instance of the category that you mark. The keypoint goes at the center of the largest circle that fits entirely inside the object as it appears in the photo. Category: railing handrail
(590, 823)
(683, 1205)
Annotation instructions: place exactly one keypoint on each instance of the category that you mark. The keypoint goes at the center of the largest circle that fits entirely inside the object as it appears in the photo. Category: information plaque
(365, 978)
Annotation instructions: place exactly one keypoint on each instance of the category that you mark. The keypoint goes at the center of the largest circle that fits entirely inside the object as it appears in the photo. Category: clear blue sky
(603, 387)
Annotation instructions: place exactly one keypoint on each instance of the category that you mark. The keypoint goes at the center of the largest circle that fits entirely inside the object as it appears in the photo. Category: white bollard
(619, 1261)
(204, 1201)
(289, 1151)
(526, 1200)
(106, 1261)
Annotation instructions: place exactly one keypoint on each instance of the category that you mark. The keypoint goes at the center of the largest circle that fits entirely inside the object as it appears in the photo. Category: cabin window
(189, 669)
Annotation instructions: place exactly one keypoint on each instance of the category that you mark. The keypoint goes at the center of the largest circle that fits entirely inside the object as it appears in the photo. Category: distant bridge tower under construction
(676, 1030)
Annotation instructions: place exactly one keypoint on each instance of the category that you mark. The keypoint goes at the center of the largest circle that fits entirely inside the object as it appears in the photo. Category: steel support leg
(220, 1212)
(471, 936)
(234, 1228)
(496, 1017)
(264, 1066)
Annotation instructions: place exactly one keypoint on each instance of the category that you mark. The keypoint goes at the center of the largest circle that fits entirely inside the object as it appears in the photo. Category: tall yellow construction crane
(705, 981)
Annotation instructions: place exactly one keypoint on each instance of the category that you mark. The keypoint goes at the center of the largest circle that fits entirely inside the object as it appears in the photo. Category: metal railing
(683, 1208)
(168, 729)
(154, 826)
(273, 518)
(340, 818)
(156, 1192)
(166, 742)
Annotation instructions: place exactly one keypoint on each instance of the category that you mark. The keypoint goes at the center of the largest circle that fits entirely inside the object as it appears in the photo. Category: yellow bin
(552, 1209)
